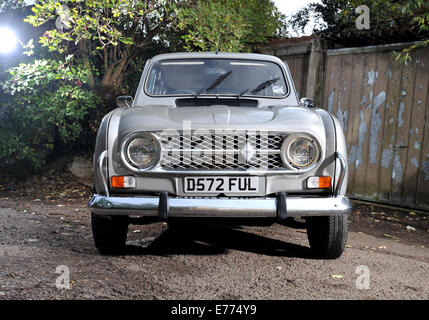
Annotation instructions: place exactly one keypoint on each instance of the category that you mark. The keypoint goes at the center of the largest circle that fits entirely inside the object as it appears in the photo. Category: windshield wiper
(215, 83)
(261, 86)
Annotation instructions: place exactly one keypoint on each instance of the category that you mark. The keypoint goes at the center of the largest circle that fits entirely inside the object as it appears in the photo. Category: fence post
(315, 76)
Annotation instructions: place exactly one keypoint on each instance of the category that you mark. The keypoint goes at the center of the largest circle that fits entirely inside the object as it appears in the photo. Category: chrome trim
(342, 173)
(158, 169)
(100, 161)
(124, 150)
(307, 103)
(263, 171)
(220, 207)
(284, 154)
(214, 151)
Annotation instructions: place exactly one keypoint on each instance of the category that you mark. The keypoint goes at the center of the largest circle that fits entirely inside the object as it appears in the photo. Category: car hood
(158, 117)
(220, 114)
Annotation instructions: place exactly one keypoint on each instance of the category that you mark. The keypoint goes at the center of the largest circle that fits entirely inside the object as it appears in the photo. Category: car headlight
(300, 151)
(141, 151)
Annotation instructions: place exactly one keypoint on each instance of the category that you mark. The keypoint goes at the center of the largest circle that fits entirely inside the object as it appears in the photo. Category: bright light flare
(7, 40)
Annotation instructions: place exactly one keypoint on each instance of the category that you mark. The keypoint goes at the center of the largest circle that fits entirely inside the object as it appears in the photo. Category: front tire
(327, 235)
(110, 233)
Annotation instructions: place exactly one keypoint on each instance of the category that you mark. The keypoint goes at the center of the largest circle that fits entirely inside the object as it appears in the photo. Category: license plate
(221, 184)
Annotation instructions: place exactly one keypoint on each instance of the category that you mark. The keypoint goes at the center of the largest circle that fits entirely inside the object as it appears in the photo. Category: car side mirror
(124, 101)
(307, 103)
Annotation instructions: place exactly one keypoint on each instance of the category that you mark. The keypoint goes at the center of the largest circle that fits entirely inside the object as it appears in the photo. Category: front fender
(335, 142)
(101, 144)
(341, 148)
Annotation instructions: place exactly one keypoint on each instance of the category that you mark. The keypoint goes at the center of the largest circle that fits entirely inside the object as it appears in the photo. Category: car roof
(219, 55)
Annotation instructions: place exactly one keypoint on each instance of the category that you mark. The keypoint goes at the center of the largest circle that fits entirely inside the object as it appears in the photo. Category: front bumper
(163, 207)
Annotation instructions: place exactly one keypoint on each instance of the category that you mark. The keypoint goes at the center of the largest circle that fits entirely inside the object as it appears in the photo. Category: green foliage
(109, 34)
(418, 12)
(229, 25)
(223, 27)
(385, 16)
(42, 102)
(106, 22)
(340, 15)
(404, 56)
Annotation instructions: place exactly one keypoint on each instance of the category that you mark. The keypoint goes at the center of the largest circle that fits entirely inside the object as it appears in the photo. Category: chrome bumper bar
(219, 207)
(342, 173)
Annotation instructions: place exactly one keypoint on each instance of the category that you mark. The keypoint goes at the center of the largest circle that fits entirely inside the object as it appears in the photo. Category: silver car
(219, 136)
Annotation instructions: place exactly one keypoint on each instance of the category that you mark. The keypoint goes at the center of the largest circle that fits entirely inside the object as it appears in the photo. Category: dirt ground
(44, 223)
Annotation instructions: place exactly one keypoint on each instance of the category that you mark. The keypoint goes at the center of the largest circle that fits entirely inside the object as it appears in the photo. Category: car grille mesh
(233, 151)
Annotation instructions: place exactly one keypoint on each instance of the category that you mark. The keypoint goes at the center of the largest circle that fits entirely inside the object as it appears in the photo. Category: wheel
(110, 233)
(327, 235)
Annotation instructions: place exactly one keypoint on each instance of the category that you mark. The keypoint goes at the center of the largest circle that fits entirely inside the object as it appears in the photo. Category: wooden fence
(383, 108)
(298, 66)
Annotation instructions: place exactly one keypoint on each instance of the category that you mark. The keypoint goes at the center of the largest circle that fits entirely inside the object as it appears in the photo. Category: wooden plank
(362, 148)
(298, 66)
(338, 80)
(394, 74)
(298, 75)
(376, 125)
(354, 118)
(403, 128)
(415, 141)
(344, 94)
(341, 109)
(300, 71)
(291, 63)
(335, 83)
(304, 73)
(328, 74)
(422, 189)
(334, 80)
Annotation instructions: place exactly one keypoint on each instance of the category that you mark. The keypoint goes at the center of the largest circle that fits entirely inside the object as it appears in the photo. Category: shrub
(43, 105)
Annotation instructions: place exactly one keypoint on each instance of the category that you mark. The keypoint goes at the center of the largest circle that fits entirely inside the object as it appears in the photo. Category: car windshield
(216, 77)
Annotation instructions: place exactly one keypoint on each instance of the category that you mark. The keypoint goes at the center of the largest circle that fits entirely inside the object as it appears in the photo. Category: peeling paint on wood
(389, 73)
(375, 126)
(397, 169)
(342, 116)
(401, 112)
(417, 145)
(386, 157)
(425, 168)
(362, 134)
(331, 100)
(371, 77)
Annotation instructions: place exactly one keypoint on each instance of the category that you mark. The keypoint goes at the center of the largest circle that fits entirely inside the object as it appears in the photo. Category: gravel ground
(207, 262)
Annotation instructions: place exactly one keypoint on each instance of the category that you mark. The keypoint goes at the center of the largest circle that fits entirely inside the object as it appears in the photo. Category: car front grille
(226, 151)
